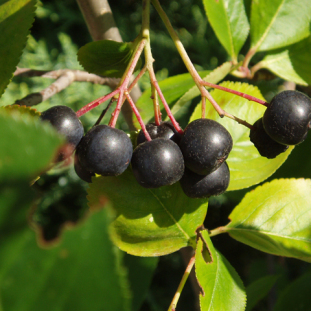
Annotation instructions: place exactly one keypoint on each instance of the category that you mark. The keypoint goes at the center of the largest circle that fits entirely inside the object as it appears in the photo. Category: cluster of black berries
(286, 121)
(196, 158)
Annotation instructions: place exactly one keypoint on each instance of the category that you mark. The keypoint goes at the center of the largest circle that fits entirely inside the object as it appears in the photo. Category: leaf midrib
(171, 216)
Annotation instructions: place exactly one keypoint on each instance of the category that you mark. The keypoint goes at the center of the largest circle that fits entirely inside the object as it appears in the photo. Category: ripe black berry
(157, 163)
(164, 130)
(81, 171)
(205, 145)
(199, 186)
(287, 118)
(65, 121)
(105, 150)
(266, 146)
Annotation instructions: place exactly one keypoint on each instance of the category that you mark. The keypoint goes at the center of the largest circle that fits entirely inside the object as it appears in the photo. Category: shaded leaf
(275, 218)
(16, 18)
(140, 272)
(82, 273)
(278, 23)
(221, 285)
(105, 57)
(27, 147)
(296, 296)
(149, 222)
(291, 63)
(246, 166)
(229, 21)
(258, 290)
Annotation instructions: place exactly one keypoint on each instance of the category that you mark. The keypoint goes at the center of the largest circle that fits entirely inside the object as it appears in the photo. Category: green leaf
(149, 222)
(16, 18)
(82, 273)
(229, 21)
(278, 23)
(140, 273)
(27, 147)
(291, 63)
(222, 287)
(172, 89)
(21, 109)
(107, 58)
(247, 167)
(296, 296)
(258, 290)
(275, 218)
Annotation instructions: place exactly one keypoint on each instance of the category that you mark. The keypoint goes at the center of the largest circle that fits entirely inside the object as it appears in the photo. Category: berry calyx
(105, 151)
(65, 121)
(157, 163)
(165, 130)
(200, 186)
(266, 146)
(287, 118)
(205, 145)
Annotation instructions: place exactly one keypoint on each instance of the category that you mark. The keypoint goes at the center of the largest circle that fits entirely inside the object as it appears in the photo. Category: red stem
(249, 97)
(95, 103)
(116, 112)
(139, 118)
(166, 106)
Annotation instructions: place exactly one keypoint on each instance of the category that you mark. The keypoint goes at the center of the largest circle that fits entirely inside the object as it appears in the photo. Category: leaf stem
(217, 231)
(182, 284)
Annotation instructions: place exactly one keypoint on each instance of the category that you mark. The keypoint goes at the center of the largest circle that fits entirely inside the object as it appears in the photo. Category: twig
(64, 78)
(182, 284)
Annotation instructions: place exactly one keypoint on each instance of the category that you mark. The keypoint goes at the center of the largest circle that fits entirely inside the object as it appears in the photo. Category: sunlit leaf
(291, 63)
(275, 218)
(229, 21)
(279, 23)
(221, 285)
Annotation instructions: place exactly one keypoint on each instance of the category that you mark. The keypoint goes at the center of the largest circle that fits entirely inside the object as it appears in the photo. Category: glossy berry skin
(157, 163)
(200, 186)
(65, 121)
(81, 171)
(266, 146)
(105, 151)
(205, 145)
(164, 130)
(287, 118)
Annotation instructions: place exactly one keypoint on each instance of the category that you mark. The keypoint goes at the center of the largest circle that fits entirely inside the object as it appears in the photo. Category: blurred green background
(57, 34)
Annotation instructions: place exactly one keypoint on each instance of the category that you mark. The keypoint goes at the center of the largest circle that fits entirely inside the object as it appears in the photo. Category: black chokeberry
(205, 145)
(65, 121)
(81, 171)
(157, 163)
(164, 130)
(266, 146)
(105, 151)
(287, 118)
(200, 186)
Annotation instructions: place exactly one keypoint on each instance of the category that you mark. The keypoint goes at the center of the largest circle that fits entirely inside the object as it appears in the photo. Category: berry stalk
(246, 96)
(139, 118)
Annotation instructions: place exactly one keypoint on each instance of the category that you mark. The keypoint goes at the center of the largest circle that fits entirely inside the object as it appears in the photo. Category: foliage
(73, 254)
